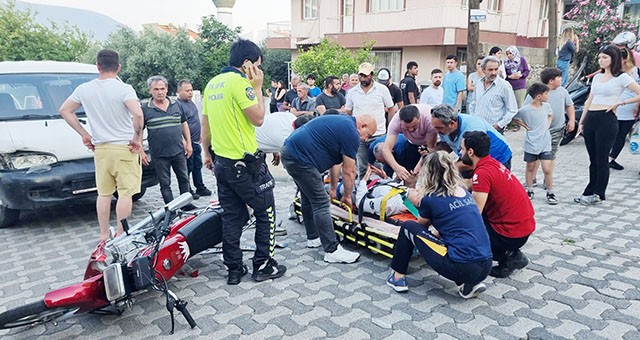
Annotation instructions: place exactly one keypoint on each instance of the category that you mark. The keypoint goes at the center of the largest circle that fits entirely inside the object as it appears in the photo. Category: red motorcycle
(142, 258)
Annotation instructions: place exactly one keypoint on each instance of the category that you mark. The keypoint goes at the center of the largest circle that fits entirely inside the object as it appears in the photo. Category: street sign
(478, 15)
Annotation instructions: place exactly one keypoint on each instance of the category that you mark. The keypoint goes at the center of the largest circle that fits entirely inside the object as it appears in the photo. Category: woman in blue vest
(449, 233)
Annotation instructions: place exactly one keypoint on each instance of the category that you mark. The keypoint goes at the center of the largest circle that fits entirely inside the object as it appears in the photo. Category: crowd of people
(472, 209)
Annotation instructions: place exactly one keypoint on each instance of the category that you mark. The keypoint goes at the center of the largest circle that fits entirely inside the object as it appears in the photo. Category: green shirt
(225, 98)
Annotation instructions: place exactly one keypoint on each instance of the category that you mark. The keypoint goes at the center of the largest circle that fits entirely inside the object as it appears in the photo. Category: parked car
(43, 162)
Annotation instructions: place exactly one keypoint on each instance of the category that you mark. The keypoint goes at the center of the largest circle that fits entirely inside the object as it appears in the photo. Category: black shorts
(544, 156)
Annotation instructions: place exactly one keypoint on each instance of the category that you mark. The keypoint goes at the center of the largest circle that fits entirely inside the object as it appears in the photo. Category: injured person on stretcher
(376, 194)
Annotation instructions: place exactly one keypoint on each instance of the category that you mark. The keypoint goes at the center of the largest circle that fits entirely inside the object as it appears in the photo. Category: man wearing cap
(384, 78)
(372, 98)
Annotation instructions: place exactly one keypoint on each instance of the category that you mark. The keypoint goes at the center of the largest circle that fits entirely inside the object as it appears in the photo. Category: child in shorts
(536, 118)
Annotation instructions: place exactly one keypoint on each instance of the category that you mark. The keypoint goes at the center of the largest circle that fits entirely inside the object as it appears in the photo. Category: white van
(42, 160)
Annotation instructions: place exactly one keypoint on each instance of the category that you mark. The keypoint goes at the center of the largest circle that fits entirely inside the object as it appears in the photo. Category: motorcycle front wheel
(35, 313)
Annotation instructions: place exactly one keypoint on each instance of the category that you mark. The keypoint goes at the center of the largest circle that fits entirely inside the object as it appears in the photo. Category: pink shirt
(636, 56)
(422, 134)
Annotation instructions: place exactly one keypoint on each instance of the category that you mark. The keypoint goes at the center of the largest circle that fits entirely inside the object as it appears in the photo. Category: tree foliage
(328, 58)
(216, 39)
(275, 65)
(598, 23)
(150, 53)
(22, 38)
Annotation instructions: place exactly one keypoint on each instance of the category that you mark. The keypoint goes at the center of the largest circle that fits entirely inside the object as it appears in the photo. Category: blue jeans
(194, 166)
(362, 157)
(314, 199)
(563, 65)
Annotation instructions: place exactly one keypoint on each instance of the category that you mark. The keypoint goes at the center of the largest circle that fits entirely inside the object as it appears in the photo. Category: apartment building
(422, 30)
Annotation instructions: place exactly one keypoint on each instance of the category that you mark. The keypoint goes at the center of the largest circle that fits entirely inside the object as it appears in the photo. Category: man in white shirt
(372, 98)
(116, 123)
(432, 95)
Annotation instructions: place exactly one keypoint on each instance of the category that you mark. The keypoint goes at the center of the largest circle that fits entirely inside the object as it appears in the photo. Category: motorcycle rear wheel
(35, 313)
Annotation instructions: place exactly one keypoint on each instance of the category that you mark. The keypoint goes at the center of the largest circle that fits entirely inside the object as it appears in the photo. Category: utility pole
(473, 32)
(553, 32)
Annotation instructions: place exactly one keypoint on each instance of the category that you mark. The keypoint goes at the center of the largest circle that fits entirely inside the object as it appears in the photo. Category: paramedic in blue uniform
(233, 107)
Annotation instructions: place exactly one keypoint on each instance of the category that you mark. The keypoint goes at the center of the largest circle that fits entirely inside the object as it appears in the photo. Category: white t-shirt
(373, 102)
(608, 93)
(432, 96)
(625, 112)
(274, 130)
(103, 102)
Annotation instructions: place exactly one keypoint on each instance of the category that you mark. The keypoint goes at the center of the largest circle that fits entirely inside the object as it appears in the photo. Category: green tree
(22, 38)
(149, 53)
(328, 58)
(598, 23)
(274, 65)
(216, 39)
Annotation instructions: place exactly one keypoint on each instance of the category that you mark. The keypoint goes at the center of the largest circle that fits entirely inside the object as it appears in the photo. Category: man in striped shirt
(169, 138)
(494, 98)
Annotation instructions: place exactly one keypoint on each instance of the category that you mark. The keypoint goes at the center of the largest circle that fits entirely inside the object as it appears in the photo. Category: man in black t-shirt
(408, 85)
(330, 98)
(384, 78)
(292, 93)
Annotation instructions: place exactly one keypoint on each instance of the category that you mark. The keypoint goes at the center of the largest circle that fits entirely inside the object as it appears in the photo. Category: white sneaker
(467, 292)
(341, 255)
(315, 243)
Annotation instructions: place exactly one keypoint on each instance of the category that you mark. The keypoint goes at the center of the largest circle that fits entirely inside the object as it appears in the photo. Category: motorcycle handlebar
(182, 307)
(157, 215)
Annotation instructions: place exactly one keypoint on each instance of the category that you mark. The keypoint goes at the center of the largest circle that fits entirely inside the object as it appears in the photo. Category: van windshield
(37, 96)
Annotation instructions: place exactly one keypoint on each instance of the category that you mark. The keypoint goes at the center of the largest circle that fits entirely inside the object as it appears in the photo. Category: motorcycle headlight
(29, 160)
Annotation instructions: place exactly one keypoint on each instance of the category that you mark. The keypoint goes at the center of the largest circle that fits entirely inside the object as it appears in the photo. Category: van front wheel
(8, 216)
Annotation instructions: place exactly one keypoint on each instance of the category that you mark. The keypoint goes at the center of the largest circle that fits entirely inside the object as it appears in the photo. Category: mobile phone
(247, 66)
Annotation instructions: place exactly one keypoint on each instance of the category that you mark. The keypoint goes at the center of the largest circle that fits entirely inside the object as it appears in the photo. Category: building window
(493, 5)
(385, 5)
(310, 9)
(391, 60)
(461, 53)
(544, 9)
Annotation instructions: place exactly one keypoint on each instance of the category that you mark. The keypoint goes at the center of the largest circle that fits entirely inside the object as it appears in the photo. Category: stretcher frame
(371, 233)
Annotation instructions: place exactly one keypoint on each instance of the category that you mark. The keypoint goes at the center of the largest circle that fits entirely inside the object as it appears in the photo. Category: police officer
(233, 106)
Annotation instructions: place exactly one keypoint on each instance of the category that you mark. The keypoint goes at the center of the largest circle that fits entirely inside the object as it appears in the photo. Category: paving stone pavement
(583, 281)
